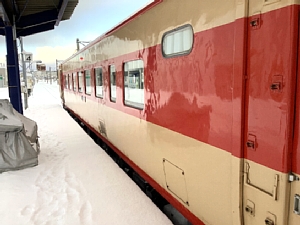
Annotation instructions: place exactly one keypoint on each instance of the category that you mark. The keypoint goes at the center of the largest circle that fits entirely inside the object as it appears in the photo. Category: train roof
(118, 26)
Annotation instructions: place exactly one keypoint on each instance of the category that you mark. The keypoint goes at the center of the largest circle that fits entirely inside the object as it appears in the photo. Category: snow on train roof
(141, 11)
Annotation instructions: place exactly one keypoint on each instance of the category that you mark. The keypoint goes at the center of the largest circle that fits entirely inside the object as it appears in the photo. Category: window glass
(178, 41)
(99, 82)
(74, 75)
(69, 81)
(66, 81)
(113, 88)
(88, 87)
(80, 82)
(134, 83)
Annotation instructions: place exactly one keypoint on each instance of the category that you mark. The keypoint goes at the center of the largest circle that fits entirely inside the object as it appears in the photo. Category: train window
(99, 82)
(113, 88)
(178, 41)
(66, 81)
(74, 75)
(80, 81)
(69, 82)
(134, 83)
(88, 87)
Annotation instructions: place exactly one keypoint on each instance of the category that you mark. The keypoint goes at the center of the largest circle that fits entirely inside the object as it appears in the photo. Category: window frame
(126, 102)
(82, 78)
(95, 82)
(177, 54)
(69, 81)
(85, 82)
(112, 99)
(75, 83)
(66, 83)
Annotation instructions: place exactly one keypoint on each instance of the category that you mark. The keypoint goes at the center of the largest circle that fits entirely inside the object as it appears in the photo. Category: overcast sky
(90, 19)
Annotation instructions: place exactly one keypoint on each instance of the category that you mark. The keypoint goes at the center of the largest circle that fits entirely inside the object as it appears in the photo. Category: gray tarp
(18, 137)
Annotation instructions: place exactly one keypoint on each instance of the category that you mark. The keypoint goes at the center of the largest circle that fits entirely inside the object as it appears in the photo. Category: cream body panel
(89, 111)
(211, 181)
(82, 106)
(72, 102)
(263, 6)
(267, 197)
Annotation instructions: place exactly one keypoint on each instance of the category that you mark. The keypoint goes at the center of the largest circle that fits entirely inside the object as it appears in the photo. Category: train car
(202, 99)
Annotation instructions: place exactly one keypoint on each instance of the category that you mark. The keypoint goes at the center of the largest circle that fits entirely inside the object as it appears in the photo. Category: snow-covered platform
(75, 182)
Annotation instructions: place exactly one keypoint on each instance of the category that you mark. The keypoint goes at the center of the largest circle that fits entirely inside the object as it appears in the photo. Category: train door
(268, 110)
(294, 177)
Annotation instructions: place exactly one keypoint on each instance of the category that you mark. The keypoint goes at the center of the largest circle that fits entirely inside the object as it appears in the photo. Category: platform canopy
(34, 16)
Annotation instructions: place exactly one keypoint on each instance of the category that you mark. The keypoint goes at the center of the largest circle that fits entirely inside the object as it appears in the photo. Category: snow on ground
(75, 181)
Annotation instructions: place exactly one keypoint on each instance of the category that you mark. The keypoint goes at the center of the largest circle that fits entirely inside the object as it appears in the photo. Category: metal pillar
(13, 72)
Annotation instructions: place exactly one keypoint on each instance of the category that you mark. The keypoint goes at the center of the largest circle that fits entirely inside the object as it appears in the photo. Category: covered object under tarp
(19, 146)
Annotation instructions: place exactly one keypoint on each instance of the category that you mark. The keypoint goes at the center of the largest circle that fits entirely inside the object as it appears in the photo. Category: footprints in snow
(59, 194)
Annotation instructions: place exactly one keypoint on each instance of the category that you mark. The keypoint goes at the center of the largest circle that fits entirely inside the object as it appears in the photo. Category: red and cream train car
(202, 98)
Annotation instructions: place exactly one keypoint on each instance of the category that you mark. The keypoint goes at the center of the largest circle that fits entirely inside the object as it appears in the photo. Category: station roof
(34, 16)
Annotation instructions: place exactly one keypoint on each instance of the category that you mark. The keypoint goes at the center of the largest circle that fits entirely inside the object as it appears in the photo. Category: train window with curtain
(74, 75)
(113, 87)
(134, 84)
(178, 42)
(99, 82)
(88, 87)
(80, 81)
